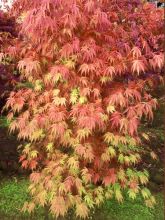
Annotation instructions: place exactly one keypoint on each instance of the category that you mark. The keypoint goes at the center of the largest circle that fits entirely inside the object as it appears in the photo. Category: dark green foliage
(4, 123)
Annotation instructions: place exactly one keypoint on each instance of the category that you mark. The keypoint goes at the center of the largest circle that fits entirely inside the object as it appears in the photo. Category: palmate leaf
(138, 66)
(158, 61)
(29, 66)
(110, 109)
(58, 129)
(82, 210)
(111, 178)
(131, 173)
(33, 154)
(121, 175)
(16, 103)
(56, 92)
(99, 199)
(112, 152)
(86, 176)
(89, 5)
(109, 137)
(62, 188)
(83, 99)
(150, 202)
(57, 78)
(70, 63)
(73, 163)
(49, 147)
(58, 206)
(28, 206)
(118, 193)
(136, 52)
(87, 68)
(121, 158)
(67, 136)
(74, 96)
(59, 101)
(37, 135)
(33, 164)
(66, 51)
(96, 93)
(38, 85)
(105, 79)
(83, 133)
(115, 119)
(133, 158)
(143, 177)
(86, 91)
(145, 193)
(88, 53)
(131, 194)
(110, 71)
(25, 164)
(154, 155)
(35, 177)
(89, 201)
(105, 156)
(109, 194)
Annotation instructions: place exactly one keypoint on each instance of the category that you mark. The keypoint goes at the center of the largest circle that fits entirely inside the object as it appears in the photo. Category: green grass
(13, 194)
(133, 210)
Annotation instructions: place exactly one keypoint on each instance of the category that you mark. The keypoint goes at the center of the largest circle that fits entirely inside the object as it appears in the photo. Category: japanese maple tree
(90, 66)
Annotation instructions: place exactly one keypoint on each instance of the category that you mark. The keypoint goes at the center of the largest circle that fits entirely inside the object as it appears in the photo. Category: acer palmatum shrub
(91, 66)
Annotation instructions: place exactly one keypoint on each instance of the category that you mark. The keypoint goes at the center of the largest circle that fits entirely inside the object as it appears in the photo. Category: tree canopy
(88, 68)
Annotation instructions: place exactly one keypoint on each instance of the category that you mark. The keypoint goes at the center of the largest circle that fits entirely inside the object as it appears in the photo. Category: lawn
(13, 194)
